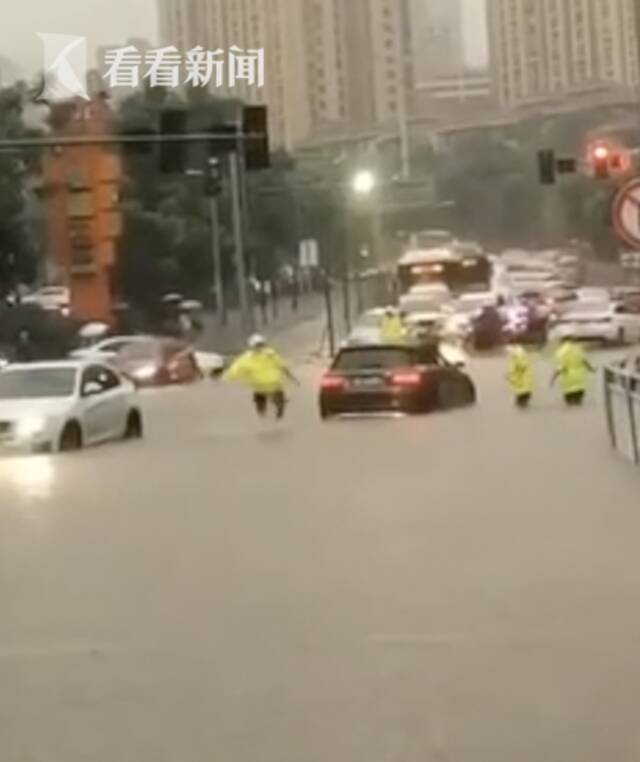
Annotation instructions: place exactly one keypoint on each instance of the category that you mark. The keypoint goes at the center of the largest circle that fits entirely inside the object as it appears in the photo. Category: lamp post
(365, 185)
(362, 185)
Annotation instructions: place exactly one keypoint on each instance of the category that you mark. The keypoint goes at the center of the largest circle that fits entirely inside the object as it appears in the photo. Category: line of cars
(532, 302)
(598, 315)
(530, 299)
(551, 283)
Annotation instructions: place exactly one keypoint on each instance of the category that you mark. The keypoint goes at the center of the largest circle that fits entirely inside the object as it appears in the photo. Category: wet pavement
(460, 588)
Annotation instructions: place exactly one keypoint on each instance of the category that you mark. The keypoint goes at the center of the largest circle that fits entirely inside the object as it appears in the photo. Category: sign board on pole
(626, 213)
(309, 253)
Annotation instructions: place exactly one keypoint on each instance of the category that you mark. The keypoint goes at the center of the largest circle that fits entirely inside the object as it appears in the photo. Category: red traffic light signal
(608, 159)
(600, 160)
(601, 153)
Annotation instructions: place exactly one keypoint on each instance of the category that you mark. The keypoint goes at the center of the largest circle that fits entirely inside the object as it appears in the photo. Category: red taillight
(406, 378)
(332, 382)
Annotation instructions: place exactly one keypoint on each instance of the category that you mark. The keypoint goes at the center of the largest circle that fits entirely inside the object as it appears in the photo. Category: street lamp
(364, 182)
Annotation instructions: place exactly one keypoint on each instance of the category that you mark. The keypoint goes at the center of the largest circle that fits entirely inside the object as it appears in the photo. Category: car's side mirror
(91, 388)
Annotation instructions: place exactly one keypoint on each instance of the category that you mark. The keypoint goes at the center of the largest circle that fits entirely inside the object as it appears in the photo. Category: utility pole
(218, 283)
(403, 129)
(246, 312)
(346, 264)
(212, 188)
(636, 4)
(328, 301)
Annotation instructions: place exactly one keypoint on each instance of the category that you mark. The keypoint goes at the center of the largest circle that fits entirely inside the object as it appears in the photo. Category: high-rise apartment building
(328, 63)
(545, 48)
(437, 39)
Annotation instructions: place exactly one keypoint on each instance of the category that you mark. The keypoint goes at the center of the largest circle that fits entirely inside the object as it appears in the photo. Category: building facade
(329, 64)
(437, 39)
(81, 188)
(542, 49)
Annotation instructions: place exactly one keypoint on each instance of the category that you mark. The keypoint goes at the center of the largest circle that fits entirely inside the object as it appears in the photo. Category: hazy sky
(102, 21)
(112, 21)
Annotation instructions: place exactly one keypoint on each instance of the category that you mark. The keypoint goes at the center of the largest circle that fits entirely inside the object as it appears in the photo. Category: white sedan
(53, 406)
(108, 349)
(597, 321)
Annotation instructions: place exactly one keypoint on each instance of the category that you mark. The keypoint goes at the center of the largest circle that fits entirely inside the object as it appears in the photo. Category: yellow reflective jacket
(393, 329)
(262, 369)
(572, 367)
(520, 375)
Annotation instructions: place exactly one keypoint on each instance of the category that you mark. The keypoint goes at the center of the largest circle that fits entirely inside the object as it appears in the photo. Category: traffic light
(255, 121)
(213, 185)
(547, 166)
(601, 161)
(621, 161)
(173, 155)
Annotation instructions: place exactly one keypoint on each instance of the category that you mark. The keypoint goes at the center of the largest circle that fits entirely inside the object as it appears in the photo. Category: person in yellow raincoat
(520, 375)
(266, 373)
(393, 329)
(572, 368)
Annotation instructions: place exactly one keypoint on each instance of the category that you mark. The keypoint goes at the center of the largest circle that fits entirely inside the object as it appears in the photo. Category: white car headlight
(27, 428)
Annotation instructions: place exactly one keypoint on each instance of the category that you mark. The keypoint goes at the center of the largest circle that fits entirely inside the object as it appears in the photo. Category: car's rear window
(385, 358)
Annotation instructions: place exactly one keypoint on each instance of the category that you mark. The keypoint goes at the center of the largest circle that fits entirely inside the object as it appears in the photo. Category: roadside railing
(622, 405)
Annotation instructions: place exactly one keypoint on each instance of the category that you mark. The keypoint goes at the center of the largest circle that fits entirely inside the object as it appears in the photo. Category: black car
(404, 379)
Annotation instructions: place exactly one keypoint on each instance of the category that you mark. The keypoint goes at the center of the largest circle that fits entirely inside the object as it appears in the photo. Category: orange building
(81, 193)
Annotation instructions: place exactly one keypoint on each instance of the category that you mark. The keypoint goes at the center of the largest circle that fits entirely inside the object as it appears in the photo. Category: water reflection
(31, 476)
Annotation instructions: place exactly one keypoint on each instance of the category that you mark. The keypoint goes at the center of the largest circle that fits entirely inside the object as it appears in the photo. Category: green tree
(491, 178)
(166, 240)
(18, 248)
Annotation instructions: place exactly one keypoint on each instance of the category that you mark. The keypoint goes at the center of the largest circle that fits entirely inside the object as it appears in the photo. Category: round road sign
(626, 213)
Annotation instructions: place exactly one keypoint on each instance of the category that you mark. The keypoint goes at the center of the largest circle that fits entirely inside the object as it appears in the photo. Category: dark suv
(403, 379)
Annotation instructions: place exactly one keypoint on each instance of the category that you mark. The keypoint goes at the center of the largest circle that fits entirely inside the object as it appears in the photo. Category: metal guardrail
(622, 405)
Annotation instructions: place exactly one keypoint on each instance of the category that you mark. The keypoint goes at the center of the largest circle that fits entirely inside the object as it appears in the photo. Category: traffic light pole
(346, 265)
(218, 281)
(63, 141)
(244, 216)
(238, 244)
(636, 4)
